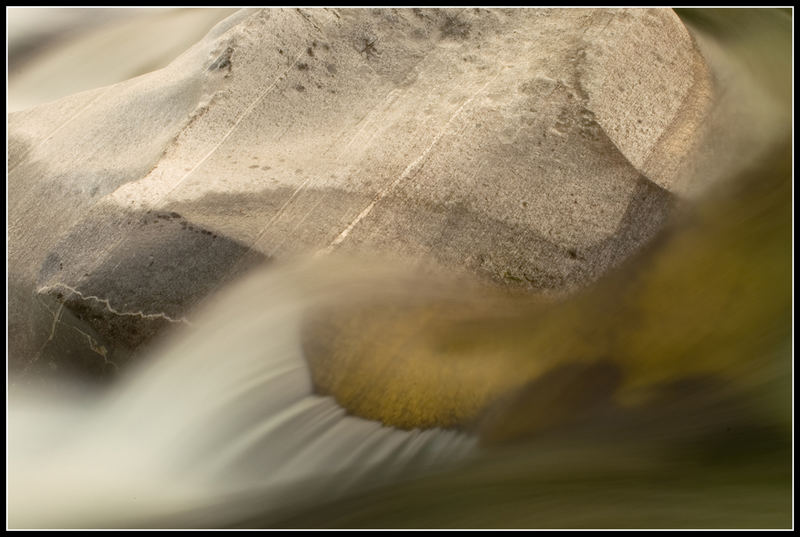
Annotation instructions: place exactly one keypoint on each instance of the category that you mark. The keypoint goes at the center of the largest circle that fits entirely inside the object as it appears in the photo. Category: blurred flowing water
(212, 424)
(220, 426)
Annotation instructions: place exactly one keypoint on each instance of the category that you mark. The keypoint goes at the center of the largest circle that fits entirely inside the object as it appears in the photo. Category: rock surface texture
(534, 148)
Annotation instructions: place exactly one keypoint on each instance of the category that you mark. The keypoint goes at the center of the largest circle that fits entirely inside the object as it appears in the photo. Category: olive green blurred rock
(704, 309)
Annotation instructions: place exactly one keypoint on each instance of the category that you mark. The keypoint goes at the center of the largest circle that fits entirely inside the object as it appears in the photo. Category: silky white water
(218, 426)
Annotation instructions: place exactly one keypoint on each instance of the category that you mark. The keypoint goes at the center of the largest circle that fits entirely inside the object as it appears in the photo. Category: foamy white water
(218, 427)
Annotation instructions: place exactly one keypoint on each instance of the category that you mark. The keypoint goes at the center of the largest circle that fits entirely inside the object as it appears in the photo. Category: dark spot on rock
(454, 27)
(59, 296)
(331, 68)
(302, 66)
(300, 87)
(265, 168)
(174, 215)
(325, 46)
(223, 61)
(314, 44)
(280, 51)
(310, 51)
(254, 166)
(572, 253)
(369, 48)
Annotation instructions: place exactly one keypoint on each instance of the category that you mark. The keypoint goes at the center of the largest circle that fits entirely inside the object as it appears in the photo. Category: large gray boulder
(535, 148)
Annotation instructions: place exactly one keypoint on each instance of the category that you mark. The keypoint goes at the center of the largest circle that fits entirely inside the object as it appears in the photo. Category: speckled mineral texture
(532, 148)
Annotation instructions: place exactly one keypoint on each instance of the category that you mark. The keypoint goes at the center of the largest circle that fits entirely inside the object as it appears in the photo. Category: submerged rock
(530, 147)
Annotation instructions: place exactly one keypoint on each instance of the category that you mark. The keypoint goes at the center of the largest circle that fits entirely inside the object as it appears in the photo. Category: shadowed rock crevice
(454, 234)
(108, 298)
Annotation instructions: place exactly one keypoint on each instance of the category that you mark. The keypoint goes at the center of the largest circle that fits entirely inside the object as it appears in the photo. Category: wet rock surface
(517, 145)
